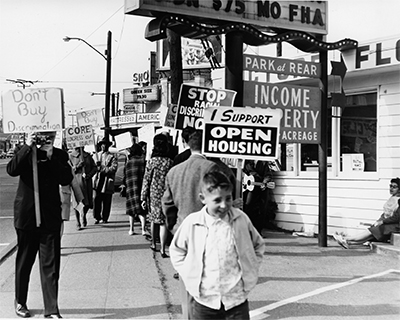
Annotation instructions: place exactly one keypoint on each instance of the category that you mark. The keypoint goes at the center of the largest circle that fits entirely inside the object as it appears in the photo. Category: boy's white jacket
(188, 245)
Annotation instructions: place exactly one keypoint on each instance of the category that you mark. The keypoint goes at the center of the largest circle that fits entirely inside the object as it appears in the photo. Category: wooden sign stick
(36, 185)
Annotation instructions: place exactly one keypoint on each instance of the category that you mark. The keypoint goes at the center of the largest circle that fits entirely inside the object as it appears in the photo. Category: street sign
(300, 106)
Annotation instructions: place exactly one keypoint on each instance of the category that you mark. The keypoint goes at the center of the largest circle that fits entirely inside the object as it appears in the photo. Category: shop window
(354, 139)
(358, 124)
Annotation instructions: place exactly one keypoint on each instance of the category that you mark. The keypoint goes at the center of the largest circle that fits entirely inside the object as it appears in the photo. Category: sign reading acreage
(300, 106)
(241, 133)
(79, 136)
(309, 16)
(93, 117)
(31, 110)
(194, 100)
(281, 66)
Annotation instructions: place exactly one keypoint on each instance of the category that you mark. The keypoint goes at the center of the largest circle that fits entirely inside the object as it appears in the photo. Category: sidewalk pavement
(105, 273)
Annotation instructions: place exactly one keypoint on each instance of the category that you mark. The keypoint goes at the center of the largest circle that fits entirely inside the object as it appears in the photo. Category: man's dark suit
(44, 239)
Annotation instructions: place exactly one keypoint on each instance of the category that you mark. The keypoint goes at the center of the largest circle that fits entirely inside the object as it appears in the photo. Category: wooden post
(175, 60)
(322, 157)
(36, 185)
(234, 81)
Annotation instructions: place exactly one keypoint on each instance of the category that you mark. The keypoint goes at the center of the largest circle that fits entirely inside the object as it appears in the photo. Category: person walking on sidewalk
(53, 170)
(217, 252)
(132, 186)
(181, 196)
(84, 169)
(153, 189)
(104, 182)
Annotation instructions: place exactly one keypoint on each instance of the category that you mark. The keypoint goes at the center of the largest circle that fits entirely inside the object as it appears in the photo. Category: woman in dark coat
(132, 181)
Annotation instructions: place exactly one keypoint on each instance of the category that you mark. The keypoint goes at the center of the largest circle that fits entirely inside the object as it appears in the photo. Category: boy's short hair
(196, 140)
(186, 132)
(215, 179)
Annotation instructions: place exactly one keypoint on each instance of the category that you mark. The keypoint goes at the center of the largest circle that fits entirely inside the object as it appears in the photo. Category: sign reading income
(300, 106)
(250, 133)
(194, 100)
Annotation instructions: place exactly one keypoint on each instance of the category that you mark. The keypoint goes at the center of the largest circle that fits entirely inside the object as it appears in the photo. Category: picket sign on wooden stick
(36, 185)
(239, 166)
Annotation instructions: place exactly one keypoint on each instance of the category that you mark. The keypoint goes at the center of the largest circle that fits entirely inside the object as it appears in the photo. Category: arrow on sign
(339, 68)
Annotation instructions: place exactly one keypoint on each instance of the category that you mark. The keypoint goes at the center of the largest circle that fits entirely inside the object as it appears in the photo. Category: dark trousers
(47, 243)
(102, 206)
(240, 312)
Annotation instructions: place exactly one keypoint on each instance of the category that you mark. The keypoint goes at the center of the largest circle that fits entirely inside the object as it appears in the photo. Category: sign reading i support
(250, 133)
(194, 100)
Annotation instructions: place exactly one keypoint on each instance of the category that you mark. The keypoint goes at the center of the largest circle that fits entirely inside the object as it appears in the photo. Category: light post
(107, 57)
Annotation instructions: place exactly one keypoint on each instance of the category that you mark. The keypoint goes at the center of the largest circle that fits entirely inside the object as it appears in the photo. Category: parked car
(3, 154)
(10, 153)
(119, 175)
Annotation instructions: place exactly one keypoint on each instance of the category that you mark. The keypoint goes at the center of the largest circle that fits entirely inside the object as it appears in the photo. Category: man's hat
(103, 141)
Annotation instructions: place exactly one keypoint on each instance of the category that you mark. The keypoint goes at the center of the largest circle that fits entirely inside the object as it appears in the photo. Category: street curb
(8, 251)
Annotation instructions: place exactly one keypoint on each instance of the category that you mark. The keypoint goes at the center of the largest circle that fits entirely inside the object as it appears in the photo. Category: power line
(81, 43)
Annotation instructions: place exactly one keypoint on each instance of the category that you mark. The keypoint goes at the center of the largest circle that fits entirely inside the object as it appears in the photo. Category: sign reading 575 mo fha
(250, 133)
(194, 100)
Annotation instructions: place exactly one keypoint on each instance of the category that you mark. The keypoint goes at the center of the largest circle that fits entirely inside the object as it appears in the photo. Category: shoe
(146, 233)
(97, 222)
(164, 255)
(78, 228)
(22, 310)
(148, 238)
(104, 221)
(131, 232)
(153, 248)
(339, 239)
(53, 316)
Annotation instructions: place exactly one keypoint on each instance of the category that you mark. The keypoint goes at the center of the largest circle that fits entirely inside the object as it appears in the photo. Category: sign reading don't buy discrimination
(250, 133)
(32, 110)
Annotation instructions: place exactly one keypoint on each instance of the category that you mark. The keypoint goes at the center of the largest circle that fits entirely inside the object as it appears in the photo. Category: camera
(42, 139)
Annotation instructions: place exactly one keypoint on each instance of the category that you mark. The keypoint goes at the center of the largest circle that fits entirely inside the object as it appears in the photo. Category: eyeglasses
(393, 186)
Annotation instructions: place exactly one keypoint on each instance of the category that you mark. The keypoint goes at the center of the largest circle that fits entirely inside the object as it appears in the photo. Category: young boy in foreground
(217, 253)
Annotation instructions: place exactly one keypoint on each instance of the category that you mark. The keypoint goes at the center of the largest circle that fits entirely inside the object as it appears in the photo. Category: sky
(32, 46)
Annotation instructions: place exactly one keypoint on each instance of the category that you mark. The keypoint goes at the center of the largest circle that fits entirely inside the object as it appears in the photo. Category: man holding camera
(53, 170)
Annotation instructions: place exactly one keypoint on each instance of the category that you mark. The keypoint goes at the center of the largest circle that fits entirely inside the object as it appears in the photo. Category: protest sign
(146, 134)
(194, 100)
(33, 110)
(79, 136)
(123, 140)
(250, 133)
(92, 117)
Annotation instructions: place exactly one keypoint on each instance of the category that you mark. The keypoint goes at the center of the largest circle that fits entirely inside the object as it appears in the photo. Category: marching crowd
(191, 203)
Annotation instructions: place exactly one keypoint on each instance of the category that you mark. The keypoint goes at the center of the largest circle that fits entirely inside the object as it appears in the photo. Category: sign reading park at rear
(281, 66)
(307, 16)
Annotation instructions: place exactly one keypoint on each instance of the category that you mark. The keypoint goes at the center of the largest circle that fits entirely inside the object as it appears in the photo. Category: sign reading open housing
(250, 133)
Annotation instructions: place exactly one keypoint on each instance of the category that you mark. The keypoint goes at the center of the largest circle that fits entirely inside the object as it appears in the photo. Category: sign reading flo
(250, 133)
(194, 100)
(308, 16)
(300, 106)
(31, 110)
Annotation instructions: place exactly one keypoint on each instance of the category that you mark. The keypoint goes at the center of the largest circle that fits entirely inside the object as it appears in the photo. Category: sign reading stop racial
(79, 136)
(250, 133)
(194, 100)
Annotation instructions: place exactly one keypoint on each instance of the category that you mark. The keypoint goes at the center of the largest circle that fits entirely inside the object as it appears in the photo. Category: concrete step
(385, 248)
(395, 240)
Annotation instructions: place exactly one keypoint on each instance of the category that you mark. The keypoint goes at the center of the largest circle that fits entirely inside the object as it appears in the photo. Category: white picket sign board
(33, 110)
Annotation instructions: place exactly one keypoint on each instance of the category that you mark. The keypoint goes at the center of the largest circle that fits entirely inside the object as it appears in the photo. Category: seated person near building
(382, 229)
(257, 194)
